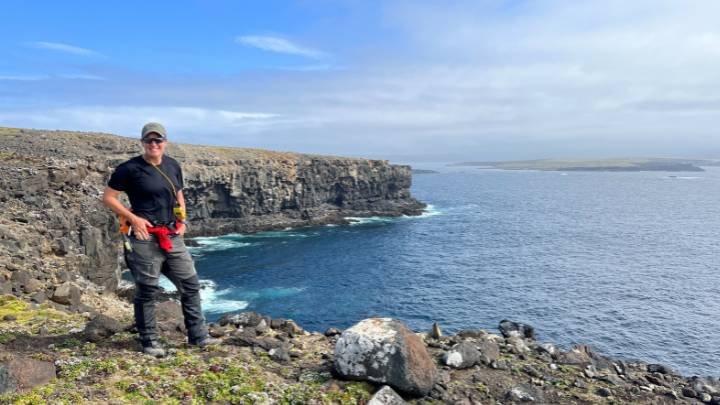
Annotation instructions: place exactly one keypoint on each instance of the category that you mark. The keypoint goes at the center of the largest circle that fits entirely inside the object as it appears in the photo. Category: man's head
(153, 137)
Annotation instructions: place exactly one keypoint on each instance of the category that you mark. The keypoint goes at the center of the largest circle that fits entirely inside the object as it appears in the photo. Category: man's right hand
(139, 227)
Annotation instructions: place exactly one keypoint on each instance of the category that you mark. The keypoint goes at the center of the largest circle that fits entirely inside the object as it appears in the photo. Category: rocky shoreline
(262, 360)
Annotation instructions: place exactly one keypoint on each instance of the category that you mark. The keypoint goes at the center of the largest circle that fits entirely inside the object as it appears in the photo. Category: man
(153, 183)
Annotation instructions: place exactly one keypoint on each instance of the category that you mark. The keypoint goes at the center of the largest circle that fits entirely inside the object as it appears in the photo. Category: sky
(406, 80)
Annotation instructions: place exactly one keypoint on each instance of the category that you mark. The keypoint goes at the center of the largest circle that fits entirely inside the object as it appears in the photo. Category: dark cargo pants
(146, 262)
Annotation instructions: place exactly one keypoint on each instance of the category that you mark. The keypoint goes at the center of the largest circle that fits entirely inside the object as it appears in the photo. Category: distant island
(603, 165)
(423, 171)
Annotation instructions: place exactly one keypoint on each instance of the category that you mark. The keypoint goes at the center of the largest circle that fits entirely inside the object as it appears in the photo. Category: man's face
(154, 145)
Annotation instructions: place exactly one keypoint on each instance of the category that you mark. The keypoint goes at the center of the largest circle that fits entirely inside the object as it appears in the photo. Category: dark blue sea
(626, 262)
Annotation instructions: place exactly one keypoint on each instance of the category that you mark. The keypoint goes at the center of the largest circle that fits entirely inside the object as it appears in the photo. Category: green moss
(30, 320)
(69, 343)
(7, 337)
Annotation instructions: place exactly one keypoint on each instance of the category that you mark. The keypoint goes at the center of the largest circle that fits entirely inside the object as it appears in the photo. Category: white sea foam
(272, 292)
(687, 177)
(429, 211)
(215, 243)
(212, 298)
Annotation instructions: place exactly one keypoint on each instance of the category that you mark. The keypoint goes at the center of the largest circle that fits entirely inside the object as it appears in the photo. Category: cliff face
(53, 224)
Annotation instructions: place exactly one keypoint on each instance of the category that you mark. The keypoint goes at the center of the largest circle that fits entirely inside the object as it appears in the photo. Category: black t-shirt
(150, 194)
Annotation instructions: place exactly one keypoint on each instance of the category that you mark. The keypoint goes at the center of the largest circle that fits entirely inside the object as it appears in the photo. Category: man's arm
(181, 200)
(139, 225)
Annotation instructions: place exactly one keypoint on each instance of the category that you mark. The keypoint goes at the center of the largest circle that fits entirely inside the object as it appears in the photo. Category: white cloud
(24, 78)
(56, 46)
(128, 119)
(280, 45)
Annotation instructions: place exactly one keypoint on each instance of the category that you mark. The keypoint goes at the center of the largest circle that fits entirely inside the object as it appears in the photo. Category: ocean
(626, 262)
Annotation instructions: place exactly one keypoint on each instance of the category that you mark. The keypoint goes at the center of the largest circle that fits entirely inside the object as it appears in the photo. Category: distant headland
(602, 165)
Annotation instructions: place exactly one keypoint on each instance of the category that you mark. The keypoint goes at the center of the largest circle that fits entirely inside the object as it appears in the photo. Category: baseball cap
(153, 127)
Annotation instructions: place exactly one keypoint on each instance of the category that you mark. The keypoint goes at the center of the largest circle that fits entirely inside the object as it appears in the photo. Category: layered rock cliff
(53, 224)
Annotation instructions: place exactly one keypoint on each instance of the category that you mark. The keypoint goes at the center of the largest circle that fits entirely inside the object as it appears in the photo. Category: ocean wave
(429, 211)
(212, 298)
(215, 243)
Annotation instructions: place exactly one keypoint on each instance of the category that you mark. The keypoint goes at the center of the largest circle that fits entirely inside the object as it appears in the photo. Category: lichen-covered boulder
(384, 350)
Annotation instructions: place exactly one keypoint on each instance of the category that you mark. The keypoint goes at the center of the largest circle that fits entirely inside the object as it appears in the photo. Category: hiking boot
(204, 342)
(153, 348)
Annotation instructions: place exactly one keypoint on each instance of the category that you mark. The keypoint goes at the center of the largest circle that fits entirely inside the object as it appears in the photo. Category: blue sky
(407, 80)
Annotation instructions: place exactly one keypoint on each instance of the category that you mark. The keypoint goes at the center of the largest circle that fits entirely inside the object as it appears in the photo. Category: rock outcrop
(383, 350)
(53, 226)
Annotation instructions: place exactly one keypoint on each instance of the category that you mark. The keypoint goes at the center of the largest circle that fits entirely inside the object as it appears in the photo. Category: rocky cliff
(53, 225)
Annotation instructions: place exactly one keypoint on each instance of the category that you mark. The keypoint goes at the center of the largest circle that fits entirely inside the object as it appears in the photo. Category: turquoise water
(626, 262)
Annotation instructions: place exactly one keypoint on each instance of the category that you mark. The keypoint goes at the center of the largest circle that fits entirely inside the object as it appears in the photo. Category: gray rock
(659, 368)
(39, 297)
(604, 392)
(102, 327)
(32, 286)
(489, 351)
(468, 333)
(291, 328)
(524, 393)
(689, 392)
(462, 355)
(332, 332)
(279, 354)
(67, 294)
(510, 328)
(169, 317)
(262, 327)
(216, 330)
(385, 351)
(246, 318)
(386, 396)
(23, 373)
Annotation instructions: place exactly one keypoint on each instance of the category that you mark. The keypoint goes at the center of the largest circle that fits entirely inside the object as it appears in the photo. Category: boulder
(659, 368)
(524, 393)
(489, 351)
(32, 286)
(291, 328)
(22, 373)
(385, 351)
(521, 330)
(332, 332)
(279, 354)
(169, 317)
(578, 355)
(247, 318)
(386, 396)
(67, 294)
(101, 327)
(462, 355)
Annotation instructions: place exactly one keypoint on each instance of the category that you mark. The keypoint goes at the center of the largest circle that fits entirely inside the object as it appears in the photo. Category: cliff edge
(53, 224)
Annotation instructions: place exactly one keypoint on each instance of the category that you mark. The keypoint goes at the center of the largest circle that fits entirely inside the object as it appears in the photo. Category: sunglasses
(153, 140)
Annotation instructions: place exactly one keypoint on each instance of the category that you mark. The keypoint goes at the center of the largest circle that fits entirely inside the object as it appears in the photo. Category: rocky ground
(52, 356)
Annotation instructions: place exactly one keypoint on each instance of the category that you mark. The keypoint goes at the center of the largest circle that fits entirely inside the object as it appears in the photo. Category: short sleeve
(120, 178)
